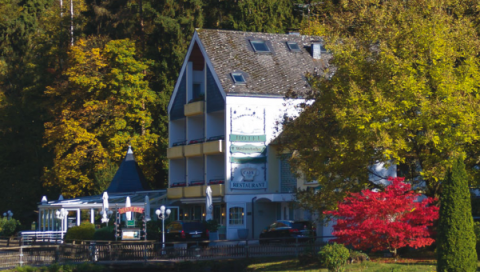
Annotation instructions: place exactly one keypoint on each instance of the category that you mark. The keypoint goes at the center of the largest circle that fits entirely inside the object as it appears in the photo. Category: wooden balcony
(193, 150)
(214, 147)
(195, 108)
(175, 152)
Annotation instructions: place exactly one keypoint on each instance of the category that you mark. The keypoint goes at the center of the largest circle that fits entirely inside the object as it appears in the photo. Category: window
(238, 78)
(236, 216)
(259, 46)
(293, 46)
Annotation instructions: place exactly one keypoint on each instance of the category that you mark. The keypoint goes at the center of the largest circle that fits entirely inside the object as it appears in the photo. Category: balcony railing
(194, 108)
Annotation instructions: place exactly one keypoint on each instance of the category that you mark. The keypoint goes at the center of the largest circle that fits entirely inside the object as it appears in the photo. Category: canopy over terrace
(127, 182)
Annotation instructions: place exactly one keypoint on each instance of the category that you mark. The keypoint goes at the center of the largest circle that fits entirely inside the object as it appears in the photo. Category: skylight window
(238, 78)
(260, 46)
(293, 46)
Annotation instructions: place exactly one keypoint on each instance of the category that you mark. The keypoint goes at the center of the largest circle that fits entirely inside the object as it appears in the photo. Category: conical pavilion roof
(129, 177)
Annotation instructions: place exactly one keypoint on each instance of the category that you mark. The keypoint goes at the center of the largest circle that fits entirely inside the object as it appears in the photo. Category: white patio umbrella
(147, 208)
(105, 207)
(209, 204)
(128, 204)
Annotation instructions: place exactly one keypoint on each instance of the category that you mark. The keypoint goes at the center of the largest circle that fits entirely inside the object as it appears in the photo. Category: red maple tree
(392, 219)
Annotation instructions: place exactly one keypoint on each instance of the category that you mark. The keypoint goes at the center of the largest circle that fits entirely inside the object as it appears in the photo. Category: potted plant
(212, 226)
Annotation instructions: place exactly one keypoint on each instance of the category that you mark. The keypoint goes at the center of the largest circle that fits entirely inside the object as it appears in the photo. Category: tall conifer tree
(456, 239)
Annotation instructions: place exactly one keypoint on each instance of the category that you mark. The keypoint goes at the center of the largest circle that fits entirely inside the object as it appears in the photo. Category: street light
(61, 214)
(162, 215)
(9, 213)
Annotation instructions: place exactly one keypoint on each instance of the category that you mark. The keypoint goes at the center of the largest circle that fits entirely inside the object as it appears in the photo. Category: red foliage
(385, 220)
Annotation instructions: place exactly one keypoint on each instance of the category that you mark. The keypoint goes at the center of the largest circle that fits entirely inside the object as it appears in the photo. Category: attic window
(238, 78)
(259, 46)
(293, 46)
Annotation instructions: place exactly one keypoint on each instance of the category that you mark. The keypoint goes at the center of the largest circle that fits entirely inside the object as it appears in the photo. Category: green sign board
(130, 223)
(248, 160)
(247, 149)
(247, 138)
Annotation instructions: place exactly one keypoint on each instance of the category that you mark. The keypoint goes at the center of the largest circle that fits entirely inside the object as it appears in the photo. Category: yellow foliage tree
(402, 88)
(101, 105)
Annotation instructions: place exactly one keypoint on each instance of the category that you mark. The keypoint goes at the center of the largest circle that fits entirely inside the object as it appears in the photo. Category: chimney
(316, 51)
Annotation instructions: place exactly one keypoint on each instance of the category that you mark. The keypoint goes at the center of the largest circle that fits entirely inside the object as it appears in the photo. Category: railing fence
(146, 251)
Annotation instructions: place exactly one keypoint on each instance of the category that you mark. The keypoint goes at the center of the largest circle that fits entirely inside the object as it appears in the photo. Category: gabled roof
(129, 177)
(272, 73)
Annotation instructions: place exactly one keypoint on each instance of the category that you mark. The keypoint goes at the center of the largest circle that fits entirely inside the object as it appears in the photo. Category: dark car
(186, 231)
(288, 231)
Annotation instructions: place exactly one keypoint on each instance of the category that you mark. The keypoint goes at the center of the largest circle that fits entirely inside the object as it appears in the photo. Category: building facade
(225, 111)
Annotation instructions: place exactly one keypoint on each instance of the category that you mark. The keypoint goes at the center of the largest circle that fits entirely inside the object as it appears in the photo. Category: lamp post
(9, 213)
(162, 214)
(61, 214)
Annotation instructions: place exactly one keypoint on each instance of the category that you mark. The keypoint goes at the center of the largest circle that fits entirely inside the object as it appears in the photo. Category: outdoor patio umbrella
(209, 204)
(128, 204)
(147, 208)
(105, 207)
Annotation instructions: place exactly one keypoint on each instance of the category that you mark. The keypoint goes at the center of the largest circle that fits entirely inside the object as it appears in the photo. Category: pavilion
(128, 181)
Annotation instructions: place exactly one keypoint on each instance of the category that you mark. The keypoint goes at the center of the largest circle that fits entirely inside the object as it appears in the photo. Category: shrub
(8, 227)
(357, 257)
(334, 256)
(456, 236)
(83, 232)
(105, 234)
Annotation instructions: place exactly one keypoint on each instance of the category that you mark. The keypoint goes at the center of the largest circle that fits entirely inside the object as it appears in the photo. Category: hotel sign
(247, 161)
(247, 149)
(130, 209)
(247, 138)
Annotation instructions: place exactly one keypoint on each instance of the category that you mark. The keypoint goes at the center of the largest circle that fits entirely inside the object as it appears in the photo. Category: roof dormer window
(238, 78)
(293, 46)
(260, 46)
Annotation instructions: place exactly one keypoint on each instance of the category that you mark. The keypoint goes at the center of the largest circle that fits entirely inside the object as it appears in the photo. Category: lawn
(377, 265)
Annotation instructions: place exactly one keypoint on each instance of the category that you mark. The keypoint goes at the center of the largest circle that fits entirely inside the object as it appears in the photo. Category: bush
(83, 232)
(357, 257)
(105, 234)
(8, 227)
(456, 237)
(334, 256)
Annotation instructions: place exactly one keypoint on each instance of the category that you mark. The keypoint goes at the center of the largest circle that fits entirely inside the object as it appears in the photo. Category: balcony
(193, 150)
(214, 147)
(217, 190)
(194, 191)
(195, 108)
(175, 152)
(175, 193)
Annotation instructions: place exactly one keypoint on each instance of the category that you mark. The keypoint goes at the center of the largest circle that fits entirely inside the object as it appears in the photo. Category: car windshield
(192, 226)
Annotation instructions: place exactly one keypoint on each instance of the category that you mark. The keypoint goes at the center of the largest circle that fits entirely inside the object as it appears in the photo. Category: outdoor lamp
(162, 215)
(62, 214)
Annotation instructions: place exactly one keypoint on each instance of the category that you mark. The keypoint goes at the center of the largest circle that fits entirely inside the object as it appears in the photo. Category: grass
(377, 265)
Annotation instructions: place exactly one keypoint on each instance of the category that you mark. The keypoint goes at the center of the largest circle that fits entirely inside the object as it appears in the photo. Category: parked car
(288, 231)
(186, 231)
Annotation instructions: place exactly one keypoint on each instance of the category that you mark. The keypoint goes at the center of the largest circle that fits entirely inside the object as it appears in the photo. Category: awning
(200, 200)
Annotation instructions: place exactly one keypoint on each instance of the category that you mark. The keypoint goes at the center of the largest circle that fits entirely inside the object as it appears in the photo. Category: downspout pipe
(253, 217)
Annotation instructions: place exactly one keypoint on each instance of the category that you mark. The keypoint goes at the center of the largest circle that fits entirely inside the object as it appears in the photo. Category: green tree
(99, 110)
(456, 238)
(402, 88)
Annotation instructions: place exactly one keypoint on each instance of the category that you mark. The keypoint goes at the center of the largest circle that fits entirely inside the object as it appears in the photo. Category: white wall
(176, 171)
(254, 116)
(177, 131)
(196, 127)
(195, 168)
(215, 169)
(215, 124)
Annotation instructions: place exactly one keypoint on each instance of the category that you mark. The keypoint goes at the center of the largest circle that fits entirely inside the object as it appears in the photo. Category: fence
(149, 251)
